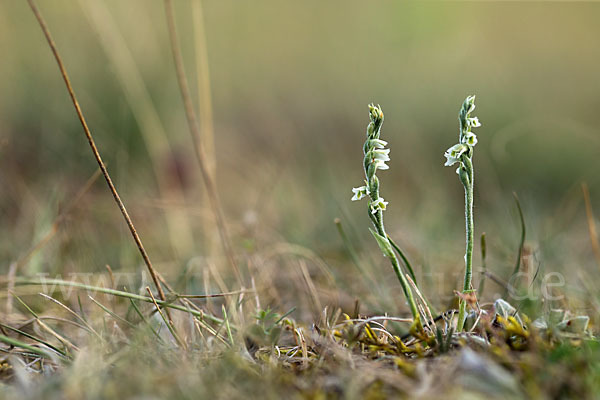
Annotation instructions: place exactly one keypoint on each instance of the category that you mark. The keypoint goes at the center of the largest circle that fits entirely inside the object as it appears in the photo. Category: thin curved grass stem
(94, 148)
(211, 188)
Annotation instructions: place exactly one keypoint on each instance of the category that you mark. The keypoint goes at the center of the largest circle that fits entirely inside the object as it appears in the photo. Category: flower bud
(370, 130)
(463, 175)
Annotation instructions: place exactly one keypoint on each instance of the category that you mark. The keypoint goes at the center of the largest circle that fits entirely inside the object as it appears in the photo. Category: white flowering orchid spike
(467, 139)
(462, 153)
(467, 122)
(375, 158)
(375, 155)
(359, 193)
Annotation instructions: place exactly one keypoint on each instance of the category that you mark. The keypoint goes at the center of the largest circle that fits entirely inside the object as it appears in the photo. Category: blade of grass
(209, 183)
(205, 108)
(312, 289)
(523, 232)
(32, 337)
(33, 349)
(210, 296)
(167, 321)
(291, 310)
(522, 240)
(81, 307)
(139, 312)
(483, 264)
(212, 331)
(227, 327)
(109, 312)
(114, 292)
(83, 321)
(425, 306)
(47, 328)
(64, 320)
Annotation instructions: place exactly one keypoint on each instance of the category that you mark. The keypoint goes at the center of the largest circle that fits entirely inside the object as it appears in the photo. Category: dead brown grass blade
(209, 182)
(94, 148)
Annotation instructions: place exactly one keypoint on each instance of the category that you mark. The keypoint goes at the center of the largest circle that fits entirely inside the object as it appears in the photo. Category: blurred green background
(290, 84)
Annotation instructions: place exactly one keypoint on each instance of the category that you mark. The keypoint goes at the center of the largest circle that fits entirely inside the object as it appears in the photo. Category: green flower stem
(407, 264)
(377, 219)
(470, 237)
(375, 158)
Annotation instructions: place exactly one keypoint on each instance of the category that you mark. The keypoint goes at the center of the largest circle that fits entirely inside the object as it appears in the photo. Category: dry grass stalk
(88, 134)
(209, 182)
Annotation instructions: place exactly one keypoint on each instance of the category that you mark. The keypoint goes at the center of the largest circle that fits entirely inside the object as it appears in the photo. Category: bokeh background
(289, 84)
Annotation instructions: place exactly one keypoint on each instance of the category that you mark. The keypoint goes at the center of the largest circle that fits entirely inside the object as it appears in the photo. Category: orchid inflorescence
(462, 153)
(467, 139)
(375, 158)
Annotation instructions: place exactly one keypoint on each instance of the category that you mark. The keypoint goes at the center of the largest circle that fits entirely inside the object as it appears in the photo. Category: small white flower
(470, 138)
(380, 164)
(453, 154)
(359, 193)
(474, 122)
(378, 143)
(378, 204)
(381, 154)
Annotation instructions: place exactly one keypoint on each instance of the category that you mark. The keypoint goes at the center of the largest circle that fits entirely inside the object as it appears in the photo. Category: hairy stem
(470, 239)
